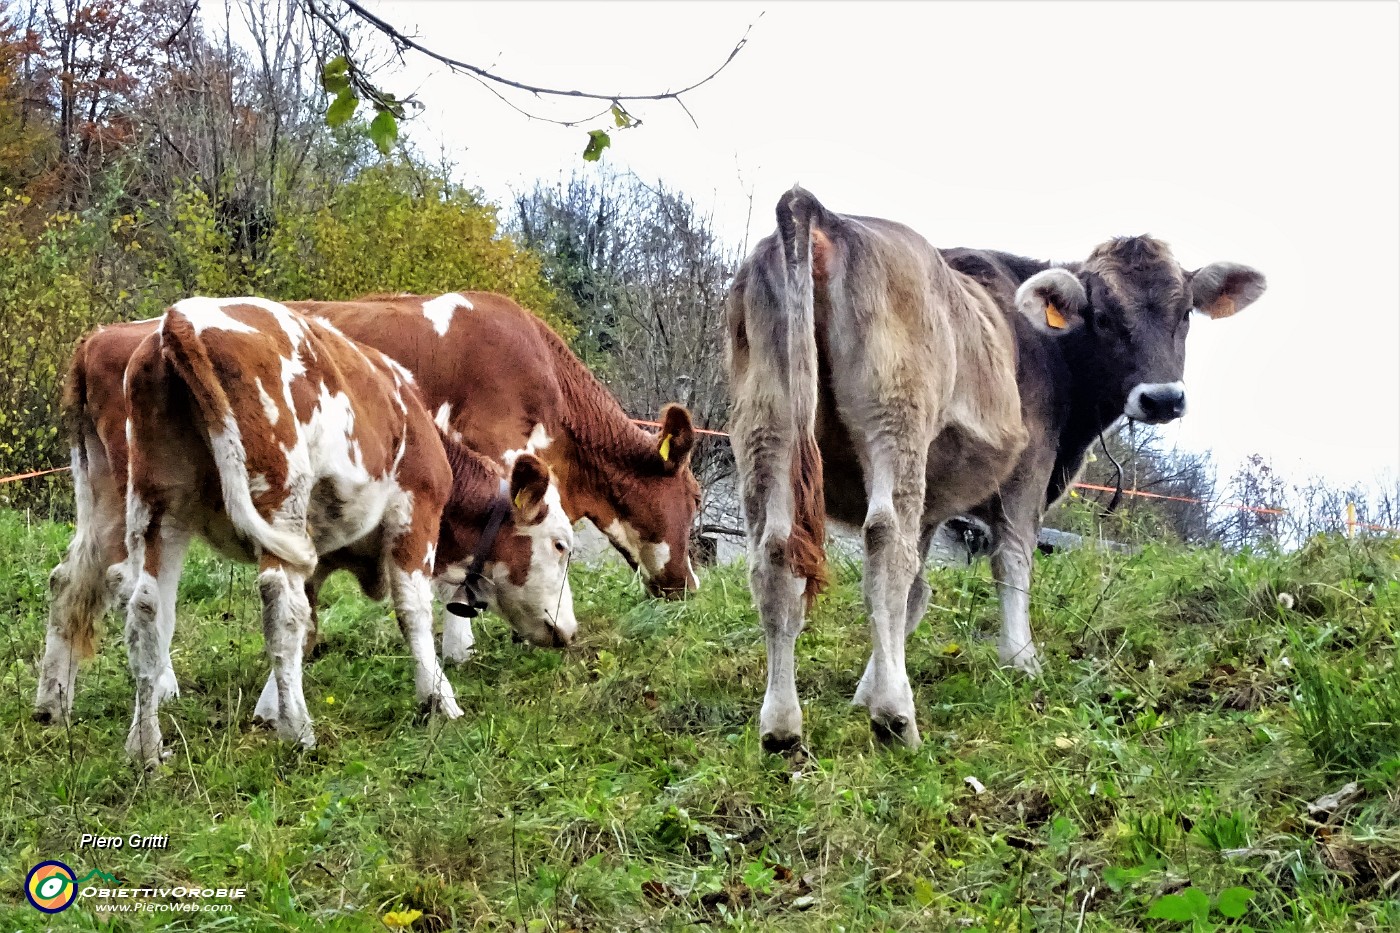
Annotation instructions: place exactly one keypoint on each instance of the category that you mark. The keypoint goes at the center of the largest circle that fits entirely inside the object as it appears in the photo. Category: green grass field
(1157, 777)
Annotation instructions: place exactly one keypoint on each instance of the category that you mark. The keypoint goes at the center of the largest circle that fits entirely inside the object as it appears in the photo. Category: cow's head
(1135, 302)
(653, 523)
(527, 567)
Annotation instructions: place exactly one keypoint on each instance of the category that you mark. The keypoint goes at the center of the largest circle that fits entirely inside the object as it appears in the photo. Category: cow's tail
(797, 212)
(182, 348)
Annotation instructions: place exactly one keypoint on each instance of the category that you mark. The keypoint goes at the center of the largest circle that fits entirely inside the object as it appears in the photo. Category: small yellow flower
(401, 918)
(330, 700)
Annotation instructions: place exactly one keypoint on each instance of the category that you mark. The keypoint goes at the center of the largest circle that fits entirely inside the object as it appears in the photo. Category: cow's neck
(476, 487)
(1093, 396)
(605, 449)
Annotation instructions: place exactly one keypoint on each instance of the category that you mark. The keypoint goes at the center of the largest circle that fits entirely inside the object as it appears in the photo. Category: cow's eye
(561, 546)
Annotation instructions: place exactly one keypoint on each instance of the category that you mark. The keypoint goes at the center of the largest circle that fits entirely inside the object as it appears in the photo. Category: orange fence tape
(1127, 492)
(14, 479)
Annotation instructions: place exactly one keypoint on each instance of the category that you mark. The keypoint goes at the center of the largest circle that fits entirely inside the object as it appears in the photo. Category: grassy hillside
(1163, 765)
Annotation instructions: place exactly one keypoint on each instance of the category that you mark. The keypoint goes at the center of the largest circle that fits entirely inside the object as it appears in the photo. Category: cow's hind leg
(286, 620)
(158, 550)
(764, 461)
(410, 578)
(82, 587)
(890, 535)
(268, 708)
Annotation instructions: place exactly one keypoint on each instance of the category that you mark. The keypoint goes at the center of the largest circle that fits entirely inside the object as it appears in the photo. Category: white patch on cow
(625, 538)
(655, 557)
(258, 484)
(690, 569)
(443, 418)
(1134, 407)
(439, 310)
(292, 324)
(269, 404)
(206, 313)
(542, 609)
(538, 440)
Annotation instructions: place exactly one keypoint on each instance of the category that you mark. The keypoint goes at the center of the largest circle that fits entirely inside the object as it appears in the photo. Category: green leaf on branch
(598, 140)
(335, 75)
(384, 131)
(342, 108)
(621, 117)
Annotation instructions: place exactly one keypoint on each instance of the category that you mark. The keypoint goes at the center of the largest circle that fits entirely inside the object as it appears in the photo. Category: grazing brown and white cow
(278, 439)
(498, 378)
(894, 387)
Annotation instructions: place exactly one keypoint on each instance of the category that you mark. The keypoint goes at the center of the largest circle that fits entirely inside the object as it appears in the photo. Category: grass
(1164, 762)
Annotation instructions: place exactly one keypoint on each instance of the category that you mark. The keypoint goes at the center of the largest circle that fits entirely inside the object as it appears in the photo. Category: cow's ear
(529, 481)
(677, 438)
(1053, 300)
(1223, 288)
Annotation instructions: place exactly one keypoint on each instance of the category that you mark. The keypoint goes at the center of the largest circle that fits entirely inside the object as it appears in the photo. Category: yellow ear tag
(1054, 318)
(520, 500)
(665, 447)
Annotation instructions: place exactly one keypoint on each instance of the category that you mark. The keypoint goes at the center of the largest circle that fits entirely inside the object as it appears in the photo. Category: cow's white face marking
(443, 418)
(439, 310)
(542, 610)
(655, 557)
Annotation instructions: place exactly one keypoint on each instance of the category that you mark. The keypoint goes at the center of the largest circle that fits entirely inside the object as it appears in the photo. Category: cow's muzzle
(1156, 402)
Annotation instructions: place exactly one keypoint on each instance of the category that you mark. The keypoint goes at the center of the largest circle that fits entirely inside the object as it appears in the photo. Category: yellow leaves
(400, 919)
(951, 650)
(1065, 742)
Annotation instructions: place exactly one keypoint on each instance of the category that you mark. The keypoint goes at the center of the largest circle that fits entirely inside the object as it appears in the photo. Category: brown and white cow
(277, 439)
(498, 378)
(894, 387)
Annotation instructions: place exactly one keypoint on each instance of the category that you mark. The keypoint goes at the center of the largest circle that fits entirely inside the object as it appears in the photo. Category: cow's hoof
(1024, 659)
(780, 743)
(896, 730)
(43, 715)
(446, 707)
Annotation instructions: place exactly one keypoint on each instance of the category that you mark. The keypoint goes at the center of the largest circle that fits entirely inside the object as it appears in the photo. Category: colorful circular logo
(51, 887)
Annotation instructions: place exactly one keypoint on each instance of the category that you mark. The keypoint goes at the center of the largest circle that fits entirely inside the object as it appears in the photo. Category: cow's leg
(1014, 529)
(82, 586)
(457, 638)
(410, 568)
(891, 563)
(267, 708)
(286, 619)
(779, 594)
(764, 466)
(158, 548)
(919, 591)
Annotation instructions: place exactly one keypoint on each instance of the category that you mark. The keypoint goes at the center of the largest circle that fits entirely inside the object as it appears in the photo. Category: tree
(646, 276)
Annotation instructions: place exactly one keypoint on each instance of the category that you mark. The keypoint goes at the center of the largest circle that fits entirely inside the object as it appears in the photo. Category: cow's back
(489, 365)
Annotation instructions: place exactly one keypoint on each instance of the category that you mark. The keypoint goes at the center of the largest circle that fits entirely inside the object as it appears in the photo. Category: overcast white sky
(1263, 133)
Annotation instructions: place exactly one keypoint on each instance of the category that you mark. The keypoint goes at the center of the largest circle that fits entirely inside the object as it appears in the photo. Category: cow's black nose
(1163, 403)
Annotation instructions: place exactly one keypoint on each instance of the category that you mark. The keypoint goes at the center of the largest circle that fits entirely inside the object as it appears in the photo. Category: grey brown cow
(894, 386)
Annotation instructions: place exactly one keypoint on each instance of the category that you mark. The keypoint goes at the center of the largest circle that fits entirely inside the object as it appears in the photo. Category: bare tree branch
(495, 83)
